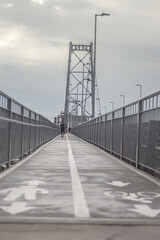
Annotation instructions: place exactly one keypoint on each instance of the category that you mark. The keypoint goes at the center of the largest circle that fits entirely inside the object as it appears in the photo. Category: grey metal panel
(16, 141)
(99, 134)
(102, 135)
(92, 132)
(27, 120)
(116, 135)
(4, 135)
(108, 133)
(4, 112)
(33, 137)
(149, 146)
(16, 117)
(26, 130)
(96, 134)
(37, 136)
(129, 137)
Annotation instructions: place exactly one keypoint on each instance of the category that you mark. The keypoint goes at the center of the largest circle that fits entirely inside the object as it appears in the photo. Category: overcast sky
(34, 48)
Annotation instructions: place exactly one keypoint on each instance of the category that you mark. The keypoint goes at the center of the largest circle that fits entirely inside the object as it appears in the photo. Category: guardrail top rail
(21, 130)
(131, 132)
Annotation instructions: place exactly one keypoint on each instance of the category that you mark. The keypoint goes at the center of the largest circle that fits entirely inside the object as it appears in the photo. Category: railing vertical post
(95, 130)
(40, 142)
(22, 132)
(111, 143)
(40, 122)
(89, 131)
(30, 132)
(35, 131)
(105, 122)
(138, 133)
(122, 126)
(9, 132)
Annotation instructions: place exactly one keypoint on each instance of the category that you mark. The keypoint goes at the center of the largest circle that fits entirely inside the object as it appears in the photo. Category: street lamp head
(139, 85)
(123, 96)
(105, 14)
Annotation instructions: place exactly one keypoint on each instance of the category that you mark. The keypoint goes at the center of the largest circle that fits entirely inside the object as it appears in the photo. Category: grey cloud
(46, 19)
(128, 44)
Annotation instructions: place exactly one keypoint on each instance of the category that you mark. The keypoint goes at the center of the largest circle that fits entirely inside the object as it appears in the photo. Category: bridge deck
(69, 181)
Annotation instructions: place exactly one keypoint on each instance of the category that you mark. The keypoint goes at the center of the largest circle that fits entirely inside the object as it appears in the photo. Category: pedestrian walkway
(72, 190)
(71, 180)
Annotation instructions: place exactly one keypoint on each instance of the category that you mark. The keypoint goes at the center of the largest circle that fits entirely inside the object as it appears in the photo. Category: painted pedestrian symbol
(28, 193)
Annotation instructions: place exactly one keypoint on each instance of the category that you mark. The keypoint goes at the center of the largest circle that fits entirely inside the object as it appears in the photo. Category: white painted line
(143, 174)
(9, 170)
(79, 200)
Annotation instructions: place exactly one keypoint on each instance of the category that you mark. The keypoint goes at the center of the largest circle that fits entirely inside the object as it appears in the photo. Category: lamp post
(123, 96)
(140, 89)
(94, 70)
(112, 105)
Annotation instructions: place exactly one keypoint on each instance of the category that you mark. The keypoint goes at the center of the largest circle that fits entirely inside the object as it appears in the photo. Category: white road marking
(145, 210)
(16, 207)
(136, 198)
(143, 197)
(29, 192)
(118, 183)
(157, 147)
(34, 182)
(79, 200)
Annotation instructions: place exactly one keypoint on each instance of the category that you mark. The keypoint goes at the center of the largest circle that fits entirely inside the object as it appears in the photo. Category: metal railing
(21, 131)
(131, 133)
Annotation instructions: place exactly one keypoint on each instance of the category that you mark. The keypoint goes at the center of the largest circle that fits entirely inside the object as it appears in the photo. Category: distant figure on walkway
(69, 129)
(62, 126)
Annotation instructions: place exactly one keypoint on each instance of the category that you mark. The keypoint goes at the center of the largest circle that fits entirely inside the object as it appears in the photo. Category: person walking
(62, 126)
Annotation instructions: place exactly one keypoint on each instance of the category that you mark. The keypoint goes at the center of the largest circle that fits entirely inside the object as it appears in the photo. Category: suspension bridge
(99, 182)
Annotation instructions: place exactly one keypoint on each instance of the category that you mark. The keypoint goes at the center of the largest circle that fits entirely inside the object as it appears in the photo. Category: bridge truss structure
(80, 88)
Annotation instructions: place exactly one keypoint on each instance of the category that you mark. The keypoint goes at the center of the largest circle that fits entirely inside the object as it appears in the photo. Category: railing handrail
(21, 131)
(131, 134)
(125, 106)
(43, 119)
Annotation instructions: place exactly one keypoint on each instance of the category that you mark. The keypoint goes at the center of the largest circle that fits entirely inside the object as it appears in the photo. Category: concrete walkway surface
(70, 189)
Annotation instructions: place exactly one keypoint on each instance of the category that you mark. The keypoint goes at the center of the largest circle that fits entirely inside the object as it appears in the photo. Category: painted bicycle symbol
(143, 197)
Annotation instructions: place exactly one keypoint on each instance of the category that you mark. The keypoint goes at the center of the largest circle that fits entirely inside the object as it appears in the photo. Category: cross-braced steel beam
(80, 88)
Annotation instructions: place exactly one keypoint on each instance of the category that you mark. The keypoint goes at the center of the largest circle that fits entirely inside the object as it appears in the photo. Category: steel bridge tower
(80, 88)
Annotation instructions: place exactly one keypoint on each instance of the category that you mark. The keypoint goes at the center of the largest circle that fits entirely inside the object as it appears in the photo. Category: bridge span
(68, 188)
(75, 184)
